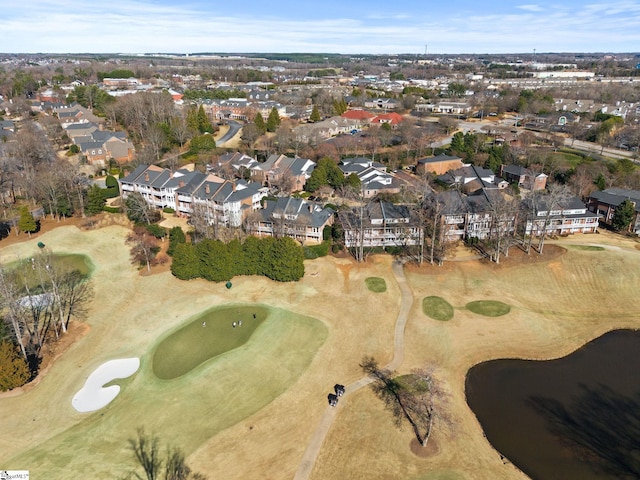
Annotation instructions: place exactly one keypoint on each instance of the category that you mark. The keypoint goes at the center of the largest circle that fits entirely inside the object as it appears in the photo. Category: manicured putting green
(489, 308)
(437, 308)
(376, 284)
(206, 336)
(441, 475)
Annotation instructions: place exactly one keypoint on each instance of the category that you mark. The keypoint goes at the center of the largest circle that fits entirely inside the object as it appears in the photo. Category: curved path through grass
(317, 439)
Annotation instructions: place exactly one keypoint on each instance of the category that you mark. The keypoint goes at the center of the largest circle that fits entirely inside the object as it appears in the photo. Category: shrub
(156, 230)
(14, 369)
(176, 236)
(109, 209)
(315, 251)
(169, 210)
(111, 181)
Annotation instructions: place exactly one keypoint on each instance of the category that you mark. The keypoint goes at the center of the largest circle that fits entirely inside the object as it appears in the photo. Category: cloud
(531, 8)
(144, 26)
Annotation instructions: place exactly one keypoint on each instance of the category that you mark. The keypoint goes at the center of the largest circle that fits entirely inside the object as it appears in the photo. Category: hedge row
(280, 259)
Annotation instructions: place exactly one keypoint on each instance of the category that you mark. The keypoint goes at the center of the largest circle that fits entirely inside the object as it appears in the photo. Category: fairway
(213, 333)
(249, 407)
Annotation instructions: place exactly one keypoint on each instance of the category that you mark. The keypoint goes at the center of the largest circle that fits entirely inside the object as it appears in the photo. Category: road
(234, 128)
(317, 439)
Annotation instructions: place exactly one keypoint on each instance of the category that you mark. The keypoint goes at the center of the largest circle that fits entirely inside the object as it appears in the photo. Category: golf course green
(208, 335)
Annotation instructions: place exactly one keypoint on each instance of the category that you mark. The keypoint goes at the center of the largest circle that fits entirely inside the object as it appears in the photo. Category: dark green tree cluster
(215, 94)
(90, 96)
(118, 73)
(340, 106)
(325, 173)
(198, 121)
(280, 259)
(315, 115)
(533, 101)
(468, 145)
(202, 143)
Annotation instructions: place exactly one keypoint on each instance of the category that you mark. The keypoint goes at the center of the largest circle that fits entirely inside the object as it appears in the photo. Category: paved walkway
(317, 439)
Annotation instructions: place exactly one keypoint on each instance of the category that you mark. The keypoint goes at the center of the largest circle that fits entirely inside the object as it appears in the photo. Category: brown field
(559, 301)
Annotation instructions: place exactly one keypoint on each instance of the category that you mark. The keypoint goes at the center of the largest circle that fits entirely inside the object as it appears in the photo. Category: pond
(576, 417)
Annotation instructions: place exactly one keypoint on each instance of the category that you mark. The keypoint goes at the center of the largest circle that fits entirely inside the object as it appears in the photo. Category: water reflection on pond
(577, 417)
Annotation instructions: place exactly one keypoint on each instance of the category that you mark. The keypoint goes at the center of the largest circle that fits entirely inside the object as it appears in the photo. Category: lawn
(489, 308)
(437, 308)
(66, 262)
(587, 248)
(376, 284)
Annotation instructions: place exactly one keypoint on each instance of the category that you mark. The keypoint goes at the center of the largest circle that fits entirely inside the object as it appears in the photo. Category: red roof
(393, 118)
(357, 115)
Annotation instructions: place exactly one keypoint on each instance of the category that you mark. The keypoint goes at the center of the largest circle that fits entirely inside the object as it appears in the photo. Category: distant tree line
(280, 259)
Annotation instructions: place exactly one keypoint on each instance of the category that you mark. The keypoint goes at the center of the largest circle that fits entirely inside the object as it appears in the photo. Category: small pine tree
(204, 124)
(623, 216)
(95, 200)
(260, 124)
(273, 122)
(315, 115)
(26, 222)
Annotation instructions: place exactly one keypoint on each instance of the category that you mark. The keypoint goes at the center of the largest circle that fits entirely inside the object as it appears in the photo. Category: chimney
(233, 187)
(207, 190)
(146, 176)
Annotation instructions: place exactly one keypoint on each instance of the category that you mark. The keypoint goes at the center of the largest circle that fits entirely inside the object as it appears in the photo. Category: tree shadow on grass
(602, 427)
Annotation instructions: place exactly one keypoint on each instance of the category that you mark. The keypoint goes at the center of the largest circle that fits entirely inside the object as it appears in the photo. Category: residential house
(283, 171)
(450, 108)
(362, 118)
(439, 164)
(316, 132)
(80, 129)
(524, 177)
(391, 118)
(382, 103)
(605, 202)
(292, 217)
(470, 179)
(373, 176)
(383, 224)
(567, 218)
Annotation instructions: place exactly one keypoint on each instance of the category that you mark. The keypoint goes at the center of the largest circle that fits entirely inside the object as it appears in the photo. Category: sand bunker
(92, 396)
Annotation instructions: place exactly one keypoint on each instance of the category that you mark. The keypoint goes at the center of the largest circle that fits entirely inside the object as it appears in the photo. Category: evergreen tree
(315, 115)
(95, 200)
(185, 264)
(273, 122)
(260, 124)
(340, 106)
(317, 179)
(215, 261)
(287, 260)
(176, 237)
(600, 182)
(26, 222)
(204, 124)
(14, 370)
(623, 216)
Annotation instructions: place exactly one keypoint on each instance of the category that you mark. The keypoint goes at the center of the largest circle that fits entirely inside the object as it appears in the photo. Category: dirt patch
(431, 449)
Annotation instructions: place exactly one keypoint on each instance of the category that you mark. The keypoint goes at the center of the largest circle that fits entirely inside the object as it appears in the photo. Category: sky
(330, 26)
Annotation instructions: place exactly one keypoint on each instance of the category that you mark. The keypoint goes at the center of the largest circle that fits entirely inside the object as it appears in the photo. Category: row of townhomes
(475, 206)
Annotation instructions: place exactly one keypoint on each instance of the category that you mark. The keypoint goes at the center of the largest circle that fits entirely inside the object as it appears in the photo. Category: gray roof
(439, 158)
(309, 213)
(615, 196)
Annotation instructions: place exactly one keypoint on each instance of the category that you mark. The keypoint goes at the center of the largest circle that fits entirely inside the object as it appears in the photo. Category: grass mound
(376, 284)
(489, 308)
(437, 308)
(206, 336)
(587, 248)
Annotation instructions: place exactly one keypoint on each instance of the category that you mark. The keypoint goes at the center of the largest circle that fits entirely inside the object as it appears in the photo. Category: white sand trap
(92, 396)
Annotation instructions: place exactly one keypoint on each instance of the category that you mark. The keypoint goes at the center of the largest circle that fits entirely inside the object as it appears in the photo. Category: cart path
(317, 439)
